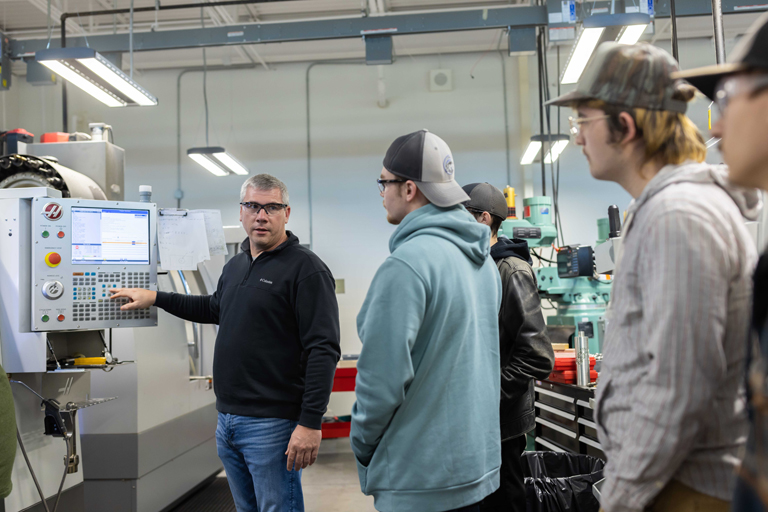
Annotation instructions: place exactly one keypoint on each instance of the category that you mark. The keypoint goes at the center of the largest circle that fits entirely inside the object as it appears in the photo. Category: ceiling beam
(42, 5)
(335, 28)
(247, 52)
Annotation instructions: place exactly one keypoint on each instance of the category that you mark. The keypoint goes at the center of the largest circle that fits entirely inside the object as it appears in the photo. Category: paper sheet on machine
(182, 240)
(214, 230)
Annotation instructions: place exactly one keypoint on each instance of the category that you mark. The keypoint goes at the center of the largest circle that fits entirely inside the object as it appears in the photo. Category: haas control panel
(82, 249)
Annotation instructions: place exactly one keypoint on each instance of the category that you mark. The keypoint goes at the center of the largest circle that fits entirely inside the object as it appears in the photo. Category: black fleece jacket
(525, 348)
(278, 341)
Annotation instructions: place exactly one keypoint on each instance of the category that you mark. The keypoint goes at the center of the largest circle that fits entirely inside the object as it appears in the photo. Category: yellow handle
(509, 194)
(90, 361)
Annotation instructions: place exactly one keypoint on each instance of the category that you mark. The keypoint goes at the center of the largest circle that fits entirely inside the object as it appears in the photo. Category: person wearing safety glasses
(275, 355)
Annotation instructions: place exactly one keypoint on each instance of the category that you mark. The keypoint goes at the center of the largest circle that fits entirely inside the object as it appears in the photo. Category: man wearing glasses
(276, 351)
(740, 90)
(670, 413)
(425, 426)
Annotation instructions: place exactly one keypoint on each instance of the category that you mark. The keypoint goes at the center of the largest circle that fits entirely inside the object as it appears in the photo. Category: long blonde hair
(668, 137)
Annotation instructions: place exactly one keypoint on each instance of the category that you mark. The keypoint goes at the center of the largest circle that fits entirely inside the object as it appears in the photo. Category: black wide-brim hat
(750, 53)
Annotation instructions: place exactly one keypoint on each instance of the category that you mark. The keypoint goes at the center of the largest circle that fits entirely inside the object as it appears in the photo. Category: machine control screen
(106, 236)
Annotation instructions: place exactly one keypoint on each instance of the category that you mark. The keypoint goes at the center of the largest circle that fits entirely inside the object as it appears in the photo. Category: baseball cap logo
(448, 165)
(53, 211)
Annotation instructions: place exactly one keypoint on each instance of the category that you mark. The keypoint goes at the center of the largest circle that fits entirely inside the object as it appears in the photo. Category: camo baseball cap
(632, 76)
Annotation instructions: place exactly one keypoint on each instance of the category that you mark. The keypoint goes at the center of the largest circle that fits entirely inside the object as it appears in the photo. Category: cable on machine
(32, 471)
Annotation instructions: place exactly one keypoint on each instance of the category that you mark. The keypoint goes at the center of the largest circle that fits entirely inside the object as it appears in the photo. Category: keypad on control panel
(91, 300)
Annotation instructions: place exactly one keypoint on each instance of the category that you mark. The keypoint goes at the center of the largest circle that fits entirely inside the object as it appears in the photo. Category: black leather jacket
(525, 348)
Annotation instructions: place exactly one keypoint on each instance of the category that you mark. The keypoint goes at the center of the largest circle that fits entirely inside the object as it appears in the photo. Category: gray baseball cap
(633, 76)
(487, 198)
(426, 159)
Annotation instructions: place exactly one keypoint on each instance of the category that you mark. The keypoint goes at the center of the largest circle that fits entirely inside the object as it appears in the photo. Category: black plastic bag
(558, 482)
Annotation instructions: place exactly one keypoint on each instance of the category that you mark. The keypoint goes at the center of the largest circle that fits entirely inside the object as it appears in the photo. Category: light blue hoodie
(425, 426)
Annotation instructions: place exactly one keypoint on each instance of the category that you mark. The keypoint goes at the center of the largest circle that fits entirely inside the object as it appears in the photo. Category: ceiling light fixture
(553, 146)
(93, 73)
(624, 28)
(217, 161)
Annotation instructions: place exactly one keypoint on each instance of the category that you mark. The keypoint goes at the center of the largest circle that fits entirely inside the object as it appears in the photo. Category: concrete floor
(331, 485)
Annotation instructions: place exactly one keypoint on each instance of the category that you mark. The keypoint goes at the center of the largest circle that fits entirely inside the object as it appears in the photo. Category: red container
(569, 376)
(55, 137)
(567, 361)
(336, 429)
(344, 379)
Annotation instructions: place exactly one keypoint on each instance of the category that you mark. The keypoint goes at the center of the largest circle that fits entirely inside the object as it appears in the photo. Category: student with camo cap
(670, 414)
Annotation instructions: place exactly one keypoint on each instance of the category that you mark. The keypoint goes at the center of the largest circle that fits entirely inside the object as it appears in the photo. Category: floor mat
(213, 498)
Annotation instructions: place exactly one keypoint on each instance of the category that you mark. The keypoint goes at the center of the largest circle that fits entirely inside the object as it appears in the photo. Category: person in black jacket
(739, 88)
(526, 352)
(276, 351)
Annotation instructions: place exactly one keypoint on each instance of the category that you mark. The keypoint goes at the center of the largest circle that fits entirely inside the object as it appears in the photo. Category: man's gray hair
(264, 182)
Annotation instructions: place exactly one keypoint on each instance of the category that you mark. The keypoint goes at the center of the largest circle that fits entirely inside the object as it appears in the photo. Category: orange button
(60, 318)
(60, 234)
(52, 259)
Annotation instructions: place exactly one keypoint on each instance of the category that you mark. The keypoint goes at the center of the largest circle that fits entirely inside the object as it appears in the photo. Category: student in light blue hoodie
(425, 426)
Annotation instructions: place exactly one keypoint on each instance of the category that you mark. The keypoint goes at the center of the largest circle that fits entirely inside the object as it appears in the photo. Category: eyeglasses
(270, 208)
(576, 122)
(734, 86)
(383, 184)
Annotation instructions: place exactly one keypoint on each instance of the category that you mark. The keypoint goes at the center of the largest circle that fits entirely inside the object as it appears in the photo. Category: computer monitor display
(105, 236)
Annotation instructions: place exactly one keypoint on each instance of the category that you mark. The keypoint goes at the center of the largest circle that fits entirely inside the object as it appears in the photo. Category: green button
(45, 317)
(46, 235)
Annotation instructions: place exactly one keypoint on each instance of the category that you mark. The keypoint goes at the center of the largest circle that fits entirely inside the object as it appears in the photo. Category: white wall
(260, 116)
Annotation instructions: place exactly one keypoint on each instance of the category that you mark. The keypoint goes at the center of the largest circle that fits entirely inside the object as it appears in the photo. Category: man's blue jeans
(253, 453)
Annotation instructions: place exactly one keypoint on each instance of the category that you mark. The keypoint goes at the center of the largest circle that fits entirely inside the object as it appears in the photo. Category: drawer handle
(558, 428)
(554, 410)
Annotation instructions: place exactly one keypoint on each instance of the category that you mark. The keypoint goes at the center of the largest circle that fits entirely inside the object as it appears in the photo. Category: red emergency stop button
(60, 234)
(60, 318)
(52, 259)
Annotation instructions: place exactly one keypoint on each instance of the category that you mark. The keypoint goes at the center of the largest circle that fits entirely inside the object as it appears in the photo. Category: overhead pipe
(309, 138)
(717, 18)
(673, 22)
(179, 192)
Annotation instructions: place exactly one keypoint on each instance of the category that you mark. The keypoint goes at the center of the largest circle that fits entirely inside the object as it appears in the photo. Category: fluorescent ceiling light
(549, 145)
(217, 161)
(231, 163)
(625, 28)
(631, 34)
(530, 154)
(71, 76)
(96, 75)
(208, 164)
(582, 51)
(554, 153)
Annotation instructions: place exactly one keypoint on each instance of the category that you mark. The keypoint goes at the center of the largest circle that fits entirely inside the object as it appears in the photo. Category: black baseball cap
(426, 159)
(750, 53)
(487, 198)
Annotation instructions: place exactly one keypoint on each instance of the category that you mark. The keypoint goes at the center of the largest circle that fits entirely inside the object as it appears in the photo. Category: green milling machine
(578, 293)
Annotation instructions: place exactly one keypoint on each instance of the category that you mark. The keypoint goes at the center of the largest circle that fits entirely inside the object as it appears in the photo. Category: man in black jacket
(275, 355)
(525, 349)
